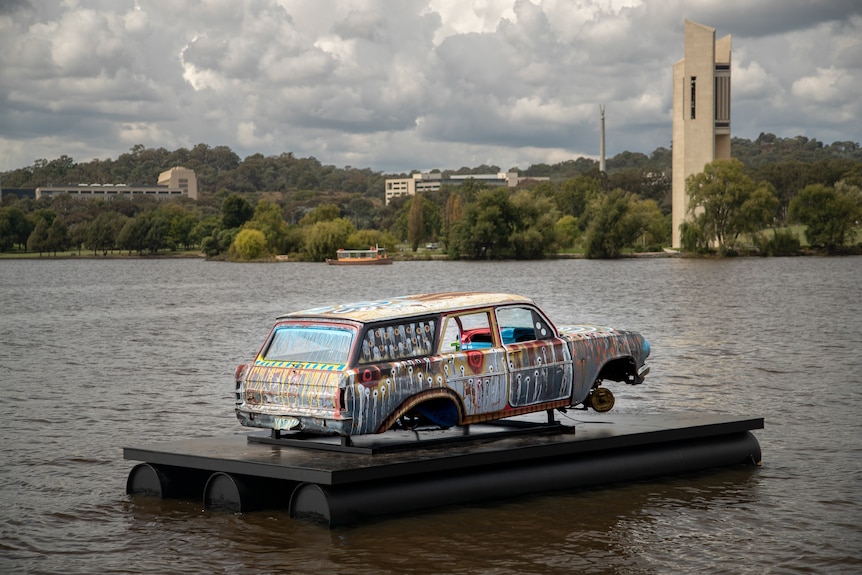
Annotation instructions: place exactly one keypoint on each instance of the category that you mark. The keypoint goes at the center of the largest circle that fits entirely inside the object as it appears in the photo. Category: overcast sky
(397, 85)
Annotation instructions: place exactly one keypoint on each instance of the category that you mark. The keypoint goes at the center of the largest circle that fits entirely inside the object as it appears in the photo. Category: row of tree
(727, 206)
(52, 226)
(729, 210)
(787, 162)
(628, 207)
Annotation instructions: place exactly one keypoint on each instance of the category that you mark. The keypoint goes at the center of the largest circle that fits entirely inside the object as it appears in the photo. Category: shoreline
(852, 251)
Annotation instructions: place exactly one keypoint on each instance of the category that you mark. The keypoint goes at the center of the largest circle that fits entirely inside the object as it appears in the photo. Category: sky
(402, 85)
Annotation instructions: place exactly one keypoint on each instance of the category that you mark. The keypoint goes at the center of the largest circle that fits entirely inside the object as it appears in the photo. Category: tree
(148, 231)
(78, 236)
(692, 238)
(324, 239)
(453, 214)
(618, 220)
(725, 203)
(235, 211)
(269, 220)
(158, 228)
(39, 237)
(788, 179)
(219, 242)
(205, 227)
(646, 221)
(362, 239)
(470, 189)
(534, 228)
(362, 212)
(426, 220)
(180, 231)
(828, 213)
(568, 231)
(322, 213)
(133, 236)
(55, 171)
(58, 236)
(575, 194)
(248, 245)
(14, 228)
(607, 233)
(103, 232)
(483, 231)
(540, 189)
(415, 222)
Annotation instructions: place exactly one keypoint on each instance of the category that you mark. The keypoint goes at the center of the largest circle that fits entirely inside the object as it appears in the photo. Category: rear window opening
(310, 344)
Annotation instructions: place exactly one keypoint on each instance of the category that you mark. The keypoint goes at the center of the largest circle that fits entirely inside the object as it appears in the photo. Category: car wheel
(601, 399)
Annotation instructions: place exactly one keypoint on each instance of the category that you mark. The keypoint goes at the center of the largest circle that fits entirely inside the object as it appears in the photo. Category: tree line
(727, 205)
(267, 206)
(780, 160)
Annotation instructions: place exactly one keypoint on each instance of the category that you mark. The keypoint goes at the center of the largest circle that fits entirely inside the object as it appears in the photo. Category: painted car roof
(409, 306)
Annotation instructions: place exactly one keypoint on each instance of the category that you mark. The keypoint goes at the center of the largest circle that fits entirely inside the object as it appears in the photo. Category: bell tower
(701, 111)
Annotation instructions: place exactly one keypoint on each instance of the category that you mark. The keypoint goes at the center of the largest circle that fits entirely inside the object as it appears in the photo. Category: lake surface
(96, 355)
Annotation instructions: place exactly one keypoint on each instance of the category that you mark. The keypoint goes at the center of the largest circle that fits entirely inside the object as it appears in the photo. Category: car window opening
(310, 344)
(399, 341)
(466, 332)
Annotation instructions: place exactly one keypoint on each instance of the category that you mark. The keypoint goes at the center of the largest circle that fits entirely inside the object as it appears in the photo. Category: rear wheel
(435, 413)
(601, 399)
(439, 412)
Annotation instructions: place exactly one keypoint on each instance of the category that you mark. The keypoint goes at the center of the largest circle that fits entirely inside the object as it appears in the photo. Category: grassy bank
(65, 255)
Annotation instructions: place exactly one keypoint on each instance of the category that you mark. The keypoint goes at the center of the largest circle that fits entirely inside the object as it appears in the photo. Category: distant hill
(219, 168)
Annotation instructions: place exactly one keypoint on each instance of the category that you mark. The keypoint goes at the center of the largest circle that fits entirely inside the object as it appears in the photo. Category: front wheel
(601, 399)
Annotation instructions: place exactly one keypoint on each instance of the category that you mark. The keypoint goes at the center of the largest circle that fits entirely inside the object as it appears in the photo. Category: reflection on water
(617, 526)
(95, 355)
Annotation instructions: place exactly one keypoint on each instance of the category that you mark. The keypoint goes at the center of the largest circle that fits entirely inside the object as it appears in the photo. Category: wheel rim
(601, 399)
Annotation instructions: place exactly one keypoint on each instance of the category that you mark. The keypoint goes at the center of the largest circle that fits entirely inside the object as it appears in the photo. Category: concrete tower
(701, 111)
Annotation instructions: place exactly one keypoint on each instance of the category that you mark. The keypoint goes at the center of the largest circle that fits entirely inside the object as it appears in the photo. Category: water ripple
(96, 355)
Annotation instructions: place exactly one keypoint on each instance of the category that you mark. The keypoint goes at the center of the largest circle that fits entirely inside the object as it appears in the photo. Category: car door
(474, 362)
(538, 362)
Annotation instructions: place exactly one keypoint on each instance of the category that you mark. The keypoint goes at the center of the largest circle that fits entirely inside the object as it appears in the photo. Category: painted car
(439, 360)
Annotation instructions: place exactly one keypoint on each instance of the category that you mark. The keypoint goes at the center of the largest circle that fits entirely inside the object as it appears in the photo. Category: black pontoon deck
(329, 481)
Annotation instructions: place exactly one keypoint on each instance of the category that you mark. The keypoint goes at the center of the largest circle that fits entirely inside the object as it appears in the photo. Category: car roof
(409, 306)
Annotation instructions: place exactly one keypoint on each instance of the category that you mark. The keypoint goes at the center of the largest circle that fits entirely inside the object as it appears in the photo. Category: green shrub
(782, 243)
(248, 245)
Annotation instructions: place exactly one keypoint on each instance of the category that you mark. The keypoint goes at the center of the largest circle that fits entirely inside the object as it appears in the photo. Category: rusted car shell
(397, 364)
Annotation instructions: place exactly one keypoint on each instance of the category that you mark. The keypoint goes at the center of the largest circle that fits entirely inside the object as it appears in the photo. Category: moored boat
(372, 256)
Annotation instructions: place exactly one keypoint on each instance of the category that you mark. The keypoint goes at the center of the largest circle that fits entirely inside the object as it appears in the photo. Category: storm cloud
(407, 84)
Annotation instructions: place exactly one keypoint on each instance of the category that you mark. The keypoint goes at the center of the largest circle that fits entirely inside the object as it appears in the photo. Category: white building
(177, 182)
(433, 181)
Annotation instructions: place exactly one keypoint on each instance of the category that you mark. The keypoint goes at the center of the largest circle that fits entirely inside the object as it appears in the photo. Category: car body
(439, 360)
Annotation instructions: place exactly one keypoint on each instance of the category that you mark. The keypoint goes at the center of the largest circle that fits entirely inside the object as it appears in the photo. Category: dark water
(97, 355)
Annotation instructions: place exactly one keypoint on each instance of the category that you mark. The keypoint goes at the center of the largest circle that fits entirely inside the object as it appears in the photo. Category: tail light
(239, 378)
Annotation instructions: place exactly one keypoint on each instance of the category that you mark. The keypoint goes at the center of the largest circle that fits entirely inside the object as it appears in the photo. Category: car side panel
(478, 378)
(374, 392)
(592, 347)
(540, 371)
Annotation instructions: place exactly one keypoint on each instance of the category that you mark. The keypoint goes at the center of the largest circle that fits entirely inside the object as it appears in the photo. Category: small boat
(373, 256)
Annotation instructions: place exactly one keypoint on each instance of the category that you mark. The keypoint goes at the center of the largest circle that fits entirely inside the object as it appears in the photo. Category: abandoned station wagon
(437, 360)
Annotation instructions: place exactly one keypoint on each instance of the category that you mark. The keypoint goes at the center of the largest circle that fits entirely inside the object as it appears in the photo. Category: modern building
(182, 179)
(701, 111)
(177, 182)
(432, 181)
